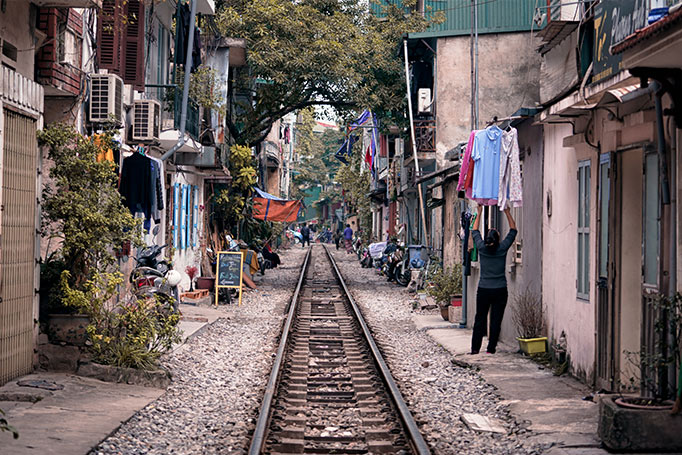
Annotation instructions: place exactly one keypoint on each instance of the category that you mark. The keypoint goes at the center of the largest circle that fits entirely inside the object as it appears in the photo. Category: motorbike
(152, 277)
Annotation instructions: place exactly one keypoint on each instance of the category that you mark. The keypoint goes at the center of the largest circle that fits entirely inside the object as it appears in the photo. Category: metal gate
(17, 245)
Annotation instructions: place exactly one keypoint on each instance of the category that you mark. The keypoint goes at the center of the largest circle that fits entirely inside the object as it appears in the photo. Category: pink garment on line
(466, 171)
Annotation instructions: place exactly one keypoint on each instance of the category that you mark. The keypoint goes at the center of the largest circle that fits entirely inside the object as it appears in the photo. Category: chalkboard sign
(229, 273)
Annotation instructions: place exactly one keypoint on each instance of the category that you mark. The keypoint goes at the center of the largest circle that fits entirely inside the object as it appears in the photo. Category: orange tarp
(273, 210)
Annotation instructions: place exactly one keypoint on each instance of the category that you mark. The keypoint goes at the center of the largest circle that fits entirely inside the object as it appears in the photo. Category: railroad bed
(330, 391)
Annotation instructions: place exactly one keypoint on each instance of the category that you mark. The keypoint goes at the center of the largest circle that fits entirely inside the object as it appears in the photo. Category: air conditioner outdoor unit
(146, 120)
(424, 100)
(106, 98)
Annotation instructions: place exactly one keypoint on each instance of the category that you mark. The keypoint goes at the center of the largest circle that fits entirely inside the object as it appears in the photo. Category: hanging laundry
(135, 186)
(466, 171)
(486, 156)
(511, 189)
(182, 33)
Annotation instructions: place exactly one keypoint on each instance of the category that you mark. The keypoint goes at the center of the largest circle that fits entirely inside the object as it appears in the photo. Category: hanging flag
(345, 150)
(368, 156)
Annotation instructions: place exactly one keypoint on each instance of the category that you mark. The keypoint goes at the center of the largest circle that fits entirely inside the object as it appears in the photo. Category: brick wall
(49, 71)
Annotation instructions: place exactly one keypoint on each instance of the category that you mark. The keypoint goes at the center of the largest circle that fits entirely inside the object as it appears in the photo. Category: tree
(315, 52)
(355, 185)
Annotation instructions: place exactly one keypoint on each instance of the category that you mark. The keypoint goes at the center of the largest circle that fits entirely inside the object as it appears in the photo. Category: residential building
(609, 185)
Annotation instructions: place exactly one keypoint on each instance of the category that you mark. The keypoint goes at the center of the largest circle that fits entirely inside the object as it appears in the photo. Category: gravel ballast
(437, 390)
(218, 377)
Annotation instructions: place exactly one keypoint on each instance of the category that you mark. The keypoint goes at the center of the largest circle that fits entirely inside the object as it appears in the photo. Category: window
(583, 280)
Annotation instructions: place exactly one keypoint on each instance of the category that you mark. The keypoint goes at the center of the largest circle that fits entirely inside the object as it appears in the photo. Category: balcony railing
(192, 126)
(425, 135)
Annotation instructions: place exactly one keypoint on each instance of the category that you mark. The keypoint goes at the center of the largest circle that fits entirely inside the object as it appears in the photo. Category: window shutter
(109, 31)
(132, 66)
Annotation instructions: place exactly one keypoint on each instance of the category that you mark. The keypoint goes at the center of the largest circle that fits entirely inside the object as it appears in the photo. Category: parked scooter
(152, 277)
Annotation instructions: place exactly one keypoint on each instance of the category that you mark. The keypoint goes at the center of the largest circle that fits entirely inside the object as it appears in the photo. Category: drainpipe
(663, 375)
(185, 90)
(660, 130)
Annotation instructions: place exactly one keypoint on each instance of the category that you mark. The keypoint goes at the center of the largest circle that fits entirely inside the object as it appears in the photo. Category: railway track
(330, 391)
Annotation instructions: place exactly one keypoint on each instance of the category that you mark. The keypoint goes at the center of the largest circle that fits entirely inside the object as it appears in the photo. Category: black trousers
(493, 301)
(305, 240)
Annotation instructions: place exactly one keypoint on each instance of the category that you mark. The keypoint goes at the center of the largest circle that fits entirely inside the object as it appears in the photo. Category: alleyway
(219, 376)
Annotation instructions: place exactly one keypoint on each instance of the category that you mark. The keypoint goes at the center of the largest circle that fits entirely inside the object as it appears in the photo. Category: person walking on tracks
(305, 235)
(348, 239)
(492, 287)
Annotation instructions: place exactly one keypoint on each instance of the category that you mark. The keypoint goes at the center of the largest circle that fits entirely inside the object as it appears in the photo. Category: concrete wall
(18, 28)
(526, 274)
(565, 312)
(509, 70)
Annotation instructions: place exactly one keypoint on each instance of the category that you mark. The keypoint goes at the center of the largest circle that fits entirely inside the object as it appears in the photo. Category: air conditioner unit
(424, 100)
(106, 98)
(146, 120)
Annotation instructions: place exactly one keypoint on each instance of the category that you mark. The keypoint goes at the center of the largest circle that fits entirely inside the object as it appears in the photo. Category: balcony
(58, 60)
(170, 98)
(20, 92)
(425, 135)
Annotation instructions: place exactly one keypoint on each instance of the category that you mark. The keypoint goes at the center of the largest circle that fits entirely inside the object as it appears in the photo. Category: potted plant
(527, 314)
(446, 286)
(191, 271)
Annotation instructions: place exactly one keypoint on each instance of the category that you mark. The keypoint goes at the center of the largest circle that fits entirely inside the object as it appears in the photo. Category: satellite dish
(155, 230)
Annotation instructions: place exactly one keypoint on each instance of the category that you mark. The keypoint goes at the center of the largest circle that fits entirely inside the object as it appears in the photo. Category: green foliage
(651, 365)
(203, 89)
(127, 334)
(81, 205)
(316, 52)
(356, 186)
(317, 164)
(445, 283)
(5, 426)
(232, 205)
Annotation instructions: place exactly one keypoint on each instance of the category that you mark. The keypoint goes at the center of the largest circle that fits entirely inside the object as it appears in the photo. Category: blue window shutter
(183, 217)
(176, 214)
(188, 215)
(195, 217)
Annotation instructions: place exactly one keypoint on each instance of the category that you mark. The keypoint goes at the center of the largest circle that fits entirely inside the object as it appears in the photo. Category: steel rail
(408, 421)
(258, 438)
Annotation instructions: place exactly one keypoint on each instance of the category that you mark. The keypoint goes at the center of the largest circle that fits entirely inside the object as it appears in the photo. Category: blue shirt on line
(486, 156)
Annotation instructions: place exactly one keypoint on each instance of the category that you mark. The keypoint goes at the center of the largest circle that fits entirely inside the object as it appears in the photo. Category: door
(606, 276)
(17, 245)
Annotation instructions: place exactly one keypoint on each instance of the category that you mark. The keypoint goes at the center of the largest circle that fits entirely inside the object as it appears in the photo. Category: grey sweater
(492, 264)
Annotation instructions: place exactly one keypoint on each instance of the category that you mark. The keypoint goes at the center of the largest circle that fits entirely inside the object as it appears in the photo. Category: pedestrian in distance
(305, 235)
(492, 286)
(348, 239)
(337, 238)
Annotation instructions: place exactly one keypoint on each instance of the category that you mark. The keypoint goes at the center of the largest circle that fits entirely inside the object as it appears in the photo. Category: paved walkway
(84, 411)
(552, 406)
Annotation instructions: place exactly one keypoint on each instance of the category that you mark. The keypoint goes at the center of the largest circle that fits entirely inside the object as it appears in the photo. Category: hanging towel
(511, 189)
(467, 169)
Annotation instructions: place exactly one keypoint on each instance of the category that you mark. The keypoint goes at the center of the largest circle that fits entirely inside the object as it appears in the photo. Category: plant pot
(533, 345)
(68, 328)
(204, 282)
(643, 403)
(638, 430)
